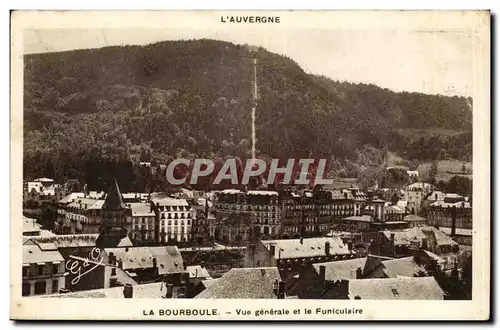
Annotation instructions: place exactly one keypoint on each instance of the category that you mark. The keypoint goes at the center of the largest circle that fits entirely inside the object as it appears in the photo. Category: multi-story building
(173, 218)
(454, 211)
(43, 270)
(254, 214)
(415, 194)
(42, 191)
(143, 218)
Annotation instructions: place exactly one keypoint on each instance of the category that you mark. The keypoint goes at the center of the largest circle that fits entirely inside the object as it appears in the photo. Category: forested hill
(192, 98)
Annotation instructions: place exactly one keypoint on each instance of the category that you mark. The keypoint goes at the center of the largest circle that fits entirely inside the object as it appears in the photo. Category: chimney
(154, 263)
(302, 271)
(327, 248)
(128, 291)
(359, 273)
(112, 258)
(170, 290)
(322, 272)
(345, 195)
(392, 244)
(424, 245)
(281, 290)
(301, 240)
(453, 221)
(120, 264)
(272, 250)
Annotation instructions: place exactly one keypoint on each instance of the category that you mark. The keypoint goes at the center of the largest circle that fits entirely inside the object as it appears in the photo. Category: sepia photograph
(312, 162)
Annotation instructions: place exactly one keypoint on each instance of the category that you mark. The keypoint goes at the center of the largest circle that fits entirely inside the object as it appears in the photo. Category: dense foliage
(87, 111)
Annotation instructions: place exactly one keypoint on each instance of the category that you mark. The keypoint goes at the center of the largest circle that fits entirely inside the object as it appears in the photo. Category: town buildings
(41, 191)
(246, 283)
(415, 194)
(453, 211)
(401, 288)
(291, 254)
(173, 218)
(43, 269)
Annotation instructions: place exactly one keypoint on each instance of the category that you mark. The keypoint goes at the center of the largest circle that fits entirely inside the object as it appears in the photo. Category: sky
(401, 60)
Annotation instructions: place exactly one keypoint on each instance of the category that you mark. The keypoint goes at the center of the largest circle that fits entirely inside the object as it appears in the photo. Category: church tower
(113, 219)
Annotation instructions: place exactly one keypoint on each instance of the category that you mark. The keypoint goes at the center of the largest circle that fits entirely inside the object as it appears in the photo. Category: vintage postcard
(250, 165)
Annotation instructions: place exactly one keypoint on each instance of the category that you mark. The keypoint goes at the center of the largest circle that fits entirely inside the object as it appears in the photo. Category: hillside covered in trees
(87, 111)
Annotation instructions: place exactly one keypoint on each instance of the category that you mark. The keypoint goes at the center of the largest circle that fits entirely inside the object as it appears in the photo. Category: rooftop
(401, 267)
(243, 283)
(310, 247)
(198, 272)
(402, 288)
(362, 218)
(340, 270)
(33, 254)
(30, 225)
(151, 290)
(73, 241)
(141, 210)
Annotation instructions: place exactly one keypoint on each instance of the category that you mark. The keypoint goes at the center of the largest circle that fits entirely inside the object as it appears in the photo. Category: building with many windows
(173, 218)
(43, 270)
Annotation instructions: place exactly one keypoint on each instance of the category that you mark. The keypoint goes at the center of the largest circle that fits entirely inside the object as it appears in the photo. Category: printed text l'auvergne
(250, 19)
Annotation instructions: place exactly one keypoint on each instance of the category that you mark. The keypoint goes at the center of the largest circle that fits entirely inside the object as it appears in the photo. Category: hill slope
(193, 98)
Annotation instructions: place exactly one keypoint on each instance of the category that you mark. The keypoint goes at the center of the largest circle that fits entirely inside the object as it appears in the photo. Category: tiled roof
(151, 290)
(243, 283)
(440, 237)
(30, 225)
(207, 283)
(413, 218)
(310, 247)
(133, 257)
(169, 201)
(362, 218)
(86, 203)
(402, 288)
(340, 270)
(72, 241)
(458, 231)
(141, 210)
(32, 254)
(443, 204)
(401, 267)
(406, 237)
(198, 272)
(168, 258)
(71, 197)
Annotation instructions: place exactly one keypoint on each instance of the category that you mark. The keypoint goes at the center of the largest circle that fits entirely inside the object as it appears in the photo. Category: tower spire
(113, 215)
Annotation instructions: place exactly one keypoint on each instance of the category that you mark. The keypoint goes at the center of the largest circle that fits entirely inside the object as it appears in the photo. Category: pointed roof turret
(114, 200)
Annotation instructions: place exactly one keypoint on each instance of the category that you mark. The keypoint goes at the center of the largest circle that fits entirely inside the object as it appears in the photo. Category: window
(55, 286)
(189, 222)
(169, 222)
(26, 289)
(40, 270)
(395, 292)
(55, 268)
(113, 271)
(40, 287)
(25, 271)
